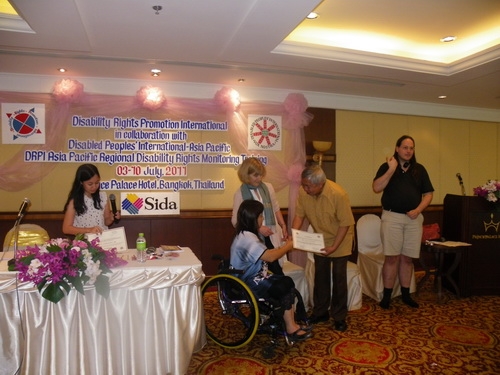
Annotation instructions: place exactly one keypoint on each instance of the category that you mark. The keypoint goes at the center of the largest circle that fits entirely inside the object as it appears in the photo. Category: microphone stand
(16, 233)
(460, 181)
(463, 189)
(13, 262)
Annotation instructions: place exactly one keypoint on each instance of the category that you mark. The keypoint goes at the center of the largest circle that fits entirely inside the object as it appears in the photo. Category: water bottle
(140, 245)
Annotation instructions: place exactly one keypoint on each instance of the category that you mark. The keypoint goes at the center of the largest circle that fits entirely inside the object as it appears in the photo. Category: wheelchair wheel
(231, 311)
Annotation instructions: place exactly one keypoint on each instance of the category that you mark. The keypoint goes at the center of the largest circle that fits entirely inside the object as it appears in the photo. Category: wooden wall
(205, 232)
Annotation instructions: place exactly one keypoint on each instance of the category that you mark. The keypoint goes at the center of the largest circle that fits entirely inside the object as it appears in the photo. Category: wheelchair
(233, 315)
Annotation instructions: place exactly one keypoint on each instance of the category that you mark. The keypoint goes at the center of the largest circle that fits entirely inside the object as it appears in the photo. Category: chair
(354, 288)
(298, 275)
(29, 235)
(371, 259)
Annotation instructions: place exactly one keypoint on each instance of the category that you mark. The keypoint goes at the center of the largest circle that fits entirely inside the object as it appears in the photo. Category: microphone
(23, 209)
(461, 183)
(112, 199)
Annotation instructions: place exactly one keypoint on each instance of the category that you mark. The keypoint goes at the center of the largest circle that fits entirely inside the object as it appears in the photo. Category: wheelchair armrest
(225, 266)
(232, 271)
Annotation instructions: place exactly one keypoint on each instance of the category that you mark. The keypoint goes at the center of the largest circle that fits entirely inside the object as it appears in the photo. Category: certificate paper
(111, 238)
(307, 241)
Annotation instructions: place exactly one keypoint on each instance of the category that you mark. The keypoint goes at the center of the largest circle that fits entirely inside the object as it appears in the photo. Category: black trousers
(330, 272)
(275, 266)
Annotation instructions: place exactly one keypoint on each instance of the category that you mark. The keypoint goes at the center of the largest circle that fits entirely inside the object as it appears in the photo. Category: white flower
(34, 266)
(43, 249)
(92, 270)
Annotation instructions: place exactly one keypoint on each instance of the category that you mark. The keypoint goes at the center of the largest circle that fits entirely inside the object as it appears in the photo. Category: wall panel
(444, 146)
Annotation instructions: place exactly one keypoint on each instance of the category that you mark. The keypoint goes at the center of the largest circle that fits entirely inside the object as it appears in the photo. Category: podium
(476, 221)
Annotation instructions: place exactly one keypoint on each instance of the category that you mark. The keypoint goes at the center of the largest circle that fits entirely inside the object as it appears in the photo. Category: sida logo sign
(144, 203)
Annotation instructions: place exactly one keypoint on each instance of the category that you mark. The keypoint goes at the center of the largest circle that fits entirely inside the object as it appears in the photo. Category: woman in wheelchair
(249, 254)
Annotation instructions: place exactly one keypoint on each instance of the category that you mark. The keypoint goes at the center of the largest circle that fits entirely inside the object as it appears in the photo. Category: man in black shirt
(407, 191)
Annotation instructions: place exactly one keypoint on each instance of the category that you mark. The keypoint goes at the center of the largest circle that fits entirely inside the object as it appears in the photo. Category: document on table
(450, 243)
(111, 238)
(307, 241)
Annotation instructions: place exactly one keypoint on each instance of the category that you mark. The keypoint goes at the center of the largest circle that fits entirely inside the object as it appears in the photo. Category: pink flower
(67, 91)
(296, 117)
(490, 191)
(227, 99)
(150, 97)
(60, 262)
(295, 104)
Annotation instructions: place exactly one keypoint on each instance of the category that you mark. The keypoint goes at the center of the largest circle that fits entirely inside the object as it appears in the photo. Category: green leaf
(102, 285)
(105, 269)
(12, 265)
(27, 259)
(41, 285)
(77, 282)
(53, 248)
(54, 292)
(64, 285)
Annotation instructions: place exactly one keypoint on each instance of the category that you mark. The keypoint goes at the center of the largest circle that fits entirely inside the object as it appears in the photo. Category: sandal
(296, 337)
(306, 327)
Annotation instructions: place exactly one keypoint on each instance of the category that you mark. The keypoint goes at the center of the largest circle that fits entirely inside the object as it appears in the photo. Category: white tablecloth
(151, 323)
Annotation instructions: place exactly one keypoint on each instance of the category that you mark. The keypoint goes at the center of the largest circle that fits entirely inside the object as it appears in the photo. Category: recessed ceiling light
(312, 16)
(157, 9)
(442, 97)
(447, 39)
(61, 70)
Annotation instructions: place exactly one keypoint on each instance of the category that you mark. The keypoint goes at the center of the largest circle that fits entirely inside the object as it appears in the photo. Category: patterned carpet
(460, 336)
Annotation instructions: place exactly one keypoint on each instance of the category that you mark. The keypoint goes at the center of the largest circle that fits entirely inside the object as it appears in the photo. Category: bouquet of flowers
(490, 191)
(60, 264)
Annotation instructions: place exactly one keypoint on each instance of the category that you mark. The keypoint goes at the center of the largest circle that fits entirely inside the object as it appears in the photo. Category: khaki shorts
(401, 235)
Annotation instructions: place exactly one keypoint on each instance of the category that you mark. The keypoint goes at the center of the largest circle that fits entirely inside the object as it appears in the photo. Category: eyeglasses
(309, 185)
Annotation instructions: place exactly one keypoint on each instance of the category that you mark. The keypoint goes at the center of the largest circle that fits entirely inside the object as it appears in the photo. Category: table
(439, 250)
(151, 323)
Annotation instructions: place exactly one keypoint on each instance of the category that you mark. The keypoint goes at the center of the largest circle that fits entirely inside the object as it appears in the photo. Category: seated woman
(249, 254)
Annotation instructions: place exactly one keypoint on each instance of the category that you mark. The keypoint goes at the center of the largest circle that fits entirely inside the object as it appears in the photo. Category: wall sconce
(321, 147)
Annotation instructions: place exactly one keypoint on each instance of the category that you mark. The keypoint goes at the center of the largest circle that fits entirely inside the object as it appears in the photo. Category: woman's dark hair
(413, 159)
(248, 214)
(84, 173)
(414, 171)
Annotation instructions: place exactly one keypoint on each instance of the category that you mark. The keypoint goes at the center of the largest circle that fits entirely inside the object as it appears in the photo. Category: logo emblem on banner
(150, 203)
(264, 132)
(25, 123)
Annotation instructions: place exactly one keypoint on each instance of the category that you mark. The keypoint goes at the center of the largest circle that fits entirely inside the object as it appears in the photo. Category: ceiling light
(241, 80)
(312, 16)
(155, 72)
(447, 39)
(62, 70)
(157, 9)
(442, 97)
